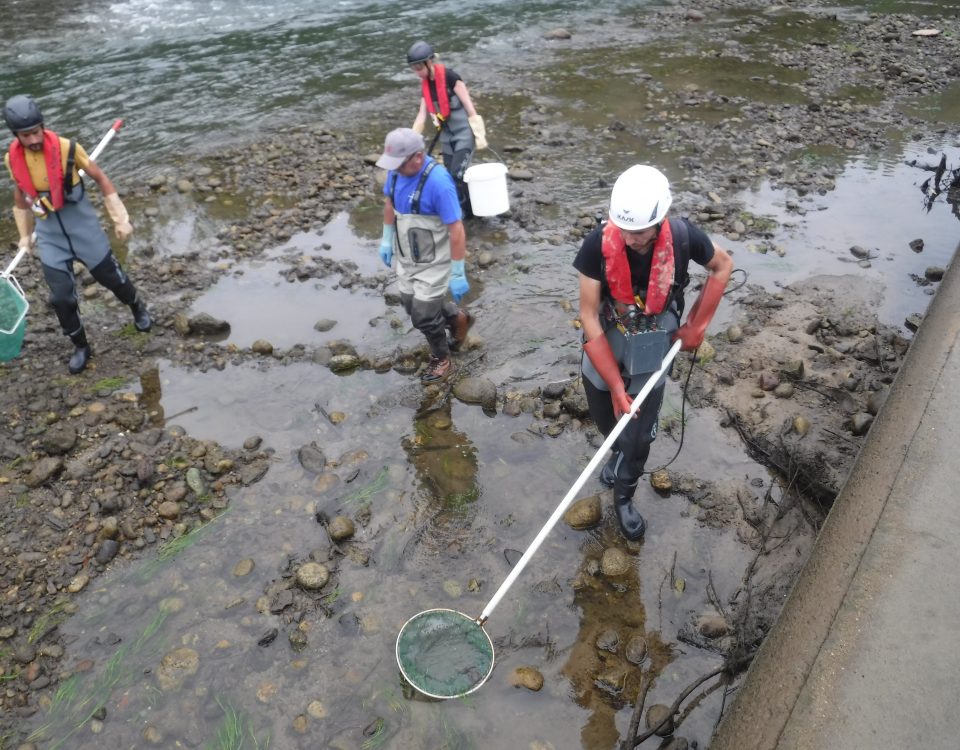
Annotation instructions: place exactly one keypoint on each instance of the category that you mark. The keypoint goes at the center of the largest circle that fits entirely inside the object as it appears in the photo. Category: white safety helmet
(640, 198)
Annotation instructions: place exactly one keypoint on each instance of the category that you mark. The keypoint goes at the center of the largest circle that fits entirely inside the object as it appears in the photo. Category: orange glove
(691, 333)
(601, 355)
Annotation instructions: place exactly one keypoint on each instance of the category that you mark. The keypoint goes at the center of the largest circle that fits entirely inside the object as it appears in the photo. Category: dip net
(444, 653)
(13, 317)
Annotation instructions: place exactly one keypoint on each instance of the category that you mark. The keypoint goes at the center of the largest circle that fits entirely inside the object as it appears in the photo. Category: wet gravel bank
(88, 480)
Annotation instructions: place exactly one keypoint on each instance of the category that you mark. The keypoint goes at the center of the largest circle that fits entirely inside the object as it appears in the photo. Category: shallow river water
(451, 496)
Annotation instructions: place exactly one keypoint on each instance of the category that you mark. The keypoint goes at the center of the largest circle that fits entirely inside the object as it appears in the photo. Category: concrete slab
(864, 654)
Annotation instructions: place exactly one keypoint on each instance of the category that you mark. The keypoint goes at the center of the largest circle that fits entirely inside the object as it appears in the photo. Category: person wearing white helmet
(633, 272)
(445, 98)
(49, 198)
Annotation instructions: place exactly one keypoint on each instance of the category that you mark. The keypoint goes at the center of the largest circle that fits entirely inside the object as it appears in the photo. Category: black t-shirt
(589, 260)
(452, 78)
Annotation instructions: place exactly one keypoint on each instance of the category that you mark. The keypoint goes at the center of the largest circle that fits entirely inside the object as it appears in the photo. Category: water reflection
(445, 462)
(613, 624)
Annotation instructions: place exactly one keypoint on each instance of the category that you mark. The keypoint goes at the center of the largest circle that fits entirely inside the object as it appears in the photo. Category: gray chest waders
(456, 135)
(423, 247)
(72, 233)
(639, 349)
(423, 268)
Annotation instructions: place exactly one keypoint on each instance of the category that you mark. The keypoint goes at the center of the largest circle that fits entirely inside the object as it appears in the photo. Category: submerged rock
(615, 562)
(176, 666)
(584, 513)
(312, 576)
(526, 677)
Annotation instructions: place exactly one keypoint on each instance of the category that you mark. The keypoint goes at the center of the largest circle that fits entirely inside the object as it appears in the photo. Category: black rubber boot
(78, 360)
(632, 524)
(141, 316)
(608, 474)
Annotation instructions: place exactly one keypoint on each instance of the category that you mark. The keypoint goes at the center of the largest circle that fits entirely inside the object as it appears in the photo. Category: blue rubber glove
(386, 244)
(458, 280)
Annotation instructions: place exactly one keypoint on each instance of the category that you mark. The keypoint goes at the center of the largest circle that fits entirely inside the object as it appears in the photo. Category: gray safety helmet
(21, 113)
(420, 52)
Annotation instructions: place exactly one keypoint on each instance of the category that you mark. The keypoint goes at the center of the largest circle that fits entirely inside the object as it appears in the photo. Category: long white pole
(21, 251)
(587, 472)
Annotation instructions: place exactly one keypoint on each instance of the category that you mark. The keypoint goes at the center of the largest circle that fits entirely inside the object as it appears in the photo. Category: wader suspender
(68, 172)
(415, 198)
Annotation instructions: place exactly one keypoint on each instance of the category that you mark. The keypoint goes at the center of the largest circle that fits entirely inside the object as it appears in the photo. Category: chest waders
(422, 243)
(639, 343)
(457, 145)
(74, 234)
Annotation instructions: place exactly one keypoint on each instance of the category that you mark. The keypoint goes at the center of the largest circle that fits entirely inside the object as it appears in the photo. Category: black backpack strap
(681, 242)
(68, 172)
(415, 198)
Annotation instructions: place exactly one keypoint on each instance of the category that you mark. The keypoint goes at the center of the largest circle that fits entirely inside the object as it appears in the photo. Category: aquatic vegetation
(76, 702)
(377, 736)
(169, 550)
(109, 384)
(129, 331)
(379, 484)
(460, 500)
(235, 729)
(49, 619)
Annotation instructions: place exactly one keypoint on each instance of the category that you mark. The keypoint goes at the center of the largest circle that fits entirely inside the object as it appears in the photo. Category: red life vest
(443, 99)
(617, 267)
(51, 155)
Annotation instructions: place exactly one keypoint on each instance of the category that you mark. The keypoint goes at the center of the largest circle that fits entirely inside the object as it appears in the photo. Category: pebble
(615, 562)
(312, 576)
(660, 481)
(243, 568)
(584, 513)
(526, 677)
(340, 529)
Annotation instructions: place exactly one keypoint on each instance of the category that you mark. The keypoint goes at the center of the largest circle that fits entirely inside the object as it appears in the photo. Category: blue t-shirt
(439, 196)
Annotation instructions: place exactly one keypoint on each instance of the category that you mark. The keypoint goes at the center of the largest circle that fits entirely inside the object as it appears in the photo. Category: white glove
(118, 215)
(25, 221)
(479, 131)
(436, 122)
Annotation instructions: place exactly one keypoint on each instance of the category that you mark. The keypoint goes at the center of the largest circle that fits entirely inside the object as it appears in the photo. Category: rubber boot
(141, 316)
(78, 360)
(608, 474)
(632, 525)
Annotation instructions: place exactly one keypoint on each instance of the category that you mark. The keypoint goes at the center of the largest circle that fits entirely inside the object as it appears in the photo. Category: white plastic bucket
(487, 184)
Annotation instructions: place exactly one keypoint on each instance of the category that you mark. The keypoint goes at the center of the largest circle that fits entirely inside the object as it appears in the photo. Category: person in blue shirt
(423, 224)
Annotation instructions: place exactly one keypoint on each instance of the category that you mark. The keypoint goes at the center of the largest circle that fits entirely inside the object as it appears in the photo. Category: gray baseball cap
(400, 144)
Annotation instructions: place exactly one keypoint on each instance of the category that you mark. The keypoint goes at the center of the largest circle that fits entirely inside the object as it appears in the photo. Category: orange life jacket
(617, 268)
(52, 157)
(443, 98)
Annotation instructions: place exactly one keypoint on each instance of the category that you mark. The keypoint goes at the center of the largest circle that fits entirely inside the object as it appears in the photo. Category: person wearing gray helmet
(49, 197)
(422, 222)
(445, 98)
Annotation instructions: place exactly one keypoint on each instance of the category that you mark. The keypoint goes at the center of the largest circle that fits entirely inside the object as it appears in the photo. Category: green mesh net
(13, 322)
(444, 653)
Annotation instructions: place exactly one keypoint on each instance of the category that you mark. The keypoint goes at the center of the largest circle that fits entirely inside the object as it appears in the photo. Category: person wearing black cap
(422, 222)
(444, 96)
(49, 197)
